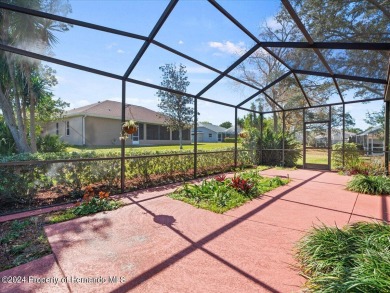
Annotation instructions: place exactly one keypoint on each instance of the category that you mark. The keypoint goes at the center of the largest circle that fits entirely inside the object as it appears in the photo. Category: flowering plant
(93, 203)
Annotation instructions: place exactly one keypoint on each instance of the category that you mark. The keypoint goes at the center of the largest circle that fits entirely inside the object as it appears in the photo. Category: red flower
(220, 178)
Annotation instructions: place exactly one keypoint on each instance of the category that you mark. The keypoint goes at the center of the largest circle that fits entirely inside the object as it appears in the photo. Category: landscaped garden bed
(355, 258)
(25, 240)
(221, 194)
(41, 182)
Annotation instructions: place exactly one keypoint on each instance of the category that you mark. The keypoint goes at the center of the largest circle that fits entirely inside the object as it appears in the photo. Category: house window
(185, 134)
(152, 132)
(57, 129)
(175, 135)
(157, 132)
(210, 135)
(164, 133)
(141, 131)
(67, 128)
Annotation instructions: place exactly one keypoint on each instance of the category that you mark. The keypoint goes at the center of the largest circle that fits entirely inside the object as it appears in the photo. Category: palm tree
(21, 30)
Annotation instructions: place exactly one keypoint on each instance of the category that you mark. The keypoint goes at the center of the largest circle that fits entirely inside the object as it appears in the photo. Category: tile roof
(371, 130)
(212, 127)
(232, 130)
(113, 110)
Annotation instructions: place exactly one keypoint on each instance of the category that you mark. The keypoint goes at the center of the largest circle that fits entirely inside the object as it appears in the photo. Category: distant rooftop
(113, 110)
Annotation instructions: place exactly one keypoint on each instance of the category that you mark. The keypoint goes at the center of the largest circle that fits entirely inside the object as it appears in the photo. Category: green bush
(274, 140)
(50, 143)
(232, 139)
(20, 184)
(221, 194)
(370, 184)
(351, 155)
(7, 143)
(353, 259)
(272, 144)
(96, 205)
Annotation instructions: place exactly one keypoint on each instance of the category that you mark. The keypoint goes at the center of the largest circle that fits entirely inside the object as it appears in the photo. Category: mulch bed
(61, 194)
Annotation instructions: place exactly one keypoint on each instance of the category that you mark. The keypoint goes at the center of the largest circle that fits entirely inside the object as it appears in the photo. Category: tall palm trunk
(19, 133)
(20, 142)
(32, 96)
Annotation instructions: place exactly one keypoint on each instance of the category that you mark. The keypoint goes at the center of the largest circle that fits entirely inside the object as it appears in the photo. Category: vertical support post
(304, 139)
(330, 138)
(387, 135)
(261, 138)
(235, 136)
(123, 141)
(283, 136)
(195, 137)
(343, 136)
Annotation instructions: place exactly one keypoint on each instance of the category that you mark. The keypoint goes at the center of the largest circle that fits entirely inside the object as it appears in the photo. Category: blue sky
(194, 27)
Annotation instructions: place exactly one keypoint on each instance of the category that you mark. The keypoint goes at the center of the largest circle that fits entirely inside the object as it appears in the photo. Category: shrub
(7, 143)
(274, 140)
(221, 194)
(353, 259)
(20, 184)
(351, 155)
(370, 184)
(93, 203)
(241, 185)
(50, 143)
(271, 144)
(232, 139)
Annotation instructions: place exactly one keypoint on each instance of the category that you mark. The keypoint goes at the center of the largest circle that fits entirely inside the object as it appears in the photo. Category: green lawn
(139, 149)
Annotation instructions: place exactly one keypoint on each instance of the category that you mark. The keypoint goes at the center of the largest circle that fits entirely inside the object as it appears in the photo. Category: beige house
(99, 124)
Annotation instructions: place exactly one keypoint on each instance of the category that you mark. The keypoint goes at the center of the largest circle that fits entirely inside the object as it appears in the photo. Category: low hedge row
(21, 185)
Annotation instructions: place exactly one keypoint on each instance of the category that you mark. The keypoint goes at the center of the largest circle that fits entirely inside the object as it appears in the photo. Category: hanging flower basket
(130, 127)
(244, 134)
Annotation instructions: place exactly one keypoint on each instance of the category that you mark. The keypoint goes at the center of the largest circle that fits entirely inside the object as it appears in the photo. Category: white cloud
(141, 102)
(79, 103)
(228, 47)
(111, 45)
(120, 51)
(61, 78)
(272, 23)
(181, 42)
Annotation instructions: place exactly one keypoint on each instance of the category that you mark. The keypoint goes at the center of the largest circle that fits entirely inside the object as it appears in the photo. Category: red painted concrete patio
(157, 244)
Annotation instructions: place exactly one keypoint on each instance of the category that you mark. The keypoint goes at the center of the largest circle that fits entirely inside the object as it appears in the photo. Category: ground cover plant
(22, 241)
(221, 194)
(370, 184)
(355, 258)
(25, 240)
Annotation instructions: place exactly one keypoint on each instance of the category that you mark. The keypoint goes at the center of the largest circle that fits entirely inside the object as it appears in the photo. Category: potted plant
(130, 127)
(244, 134)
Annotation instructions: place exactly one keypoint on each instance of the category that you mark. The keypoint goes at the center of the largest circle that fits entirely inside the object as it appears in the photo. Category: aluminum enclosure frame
(258, 44)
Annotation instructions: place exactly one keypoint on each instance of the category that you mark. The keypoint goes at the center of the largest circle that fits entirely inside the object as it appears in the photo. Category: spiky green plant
(355, 258)
(370, 184)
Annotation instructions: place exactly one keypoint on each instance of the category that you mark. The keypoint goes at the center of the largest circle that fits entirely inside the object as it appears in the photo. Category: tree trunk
(21, 126)
(180, 138)
(275, 121)
(24, 112)
(6, 106)
(33, 140)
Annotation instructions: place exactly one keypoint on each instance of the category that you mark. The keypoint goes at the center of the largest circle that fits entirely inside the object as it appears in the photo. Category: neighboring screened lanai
(299, 71)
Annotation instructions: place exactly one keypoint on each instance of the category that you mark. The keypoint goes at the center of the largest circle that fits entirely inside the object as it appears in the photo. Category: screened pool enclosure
(299, 75)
